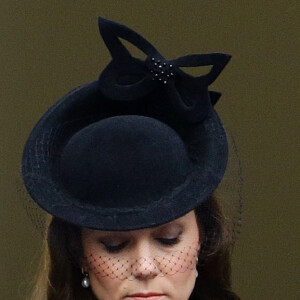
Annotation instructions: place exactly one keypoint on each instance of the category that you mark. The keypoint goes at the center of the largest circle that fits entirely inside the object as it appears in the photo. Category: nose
(144, 268)
(144, 265)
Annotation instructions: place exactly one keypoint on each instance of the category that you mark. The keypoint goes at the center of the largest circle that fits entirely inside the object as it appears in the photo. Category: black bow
(129, 78)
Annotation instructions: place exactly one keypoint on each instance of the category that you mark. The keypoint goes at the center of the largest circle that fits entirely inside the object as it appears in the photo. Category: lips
(146, 296)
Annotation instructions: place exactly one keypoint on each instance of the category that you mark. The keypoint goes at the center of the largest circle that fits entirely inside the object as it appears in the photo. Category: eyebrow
(176, 224)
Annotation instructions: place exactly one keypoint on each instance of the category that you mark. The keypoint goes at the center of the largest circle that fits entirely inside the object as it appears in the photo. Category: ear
(218, 61)
(111, 33)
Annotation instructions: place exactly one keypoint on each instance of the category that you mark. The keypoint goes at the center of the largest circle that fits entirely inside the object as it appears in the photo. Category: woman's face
(159, 260)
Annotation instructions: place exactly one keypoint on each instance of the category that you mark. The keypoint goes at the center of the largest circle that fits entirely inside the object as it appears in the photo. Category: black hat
(139, 147)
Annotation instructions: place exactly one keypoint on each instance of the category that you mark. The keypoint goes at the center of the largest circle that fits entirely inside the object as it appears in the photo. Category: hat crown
(123, 161)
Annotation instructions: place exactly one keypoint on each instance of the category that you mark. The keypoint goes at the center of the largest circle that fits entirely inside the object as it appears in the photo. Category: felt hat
(140, 146)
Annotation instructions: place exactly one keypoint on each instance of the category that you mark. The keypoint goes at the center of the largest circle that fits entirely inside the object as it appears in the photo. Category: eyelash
(165, 242)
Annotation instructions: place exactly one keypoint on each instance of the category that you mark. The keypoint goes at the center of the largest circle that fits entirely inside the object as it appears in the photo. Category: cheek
(105, 288)
(182, 279)
(182, 285)
(105, 282)
(111, 267)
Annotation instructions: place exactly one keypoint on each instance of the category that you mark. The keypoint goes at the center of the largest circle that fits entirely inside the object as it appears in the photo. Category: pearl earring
(85, 281)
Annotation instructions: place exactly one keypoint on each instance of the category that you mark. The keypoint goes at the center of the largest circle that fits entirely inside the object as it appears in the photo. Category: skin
(142, 262)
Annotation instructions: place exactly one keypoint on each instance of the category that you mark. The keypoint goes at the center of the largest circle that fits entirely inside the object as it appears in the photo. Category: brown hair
(59, 276)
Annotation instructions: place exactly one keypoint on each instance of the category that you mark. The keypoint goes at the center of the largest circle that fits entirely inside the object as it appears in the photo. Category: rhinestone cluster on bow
(161, 70)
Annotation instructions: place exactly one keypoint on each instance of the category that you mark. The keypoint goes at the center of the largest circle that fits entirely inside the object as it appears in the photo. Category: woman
(128, 166)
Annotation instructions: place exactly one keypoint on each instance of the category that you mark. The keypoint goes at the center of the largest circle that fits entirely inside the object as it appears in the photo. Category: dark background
(49, 47)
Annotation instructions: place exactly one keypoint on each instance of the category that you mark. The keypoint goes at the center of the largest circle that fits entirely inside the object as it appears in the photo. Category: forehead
(188, 219)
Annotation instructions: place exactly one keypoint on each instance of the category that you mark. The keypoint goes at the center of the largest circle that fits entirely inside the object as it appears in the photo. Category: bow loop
(218, 61)
(112, 31)
(128, 78)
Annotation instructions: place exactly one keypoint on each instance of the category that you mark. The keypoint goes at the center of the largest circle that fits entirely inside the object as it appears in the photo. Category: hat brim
(206, 144)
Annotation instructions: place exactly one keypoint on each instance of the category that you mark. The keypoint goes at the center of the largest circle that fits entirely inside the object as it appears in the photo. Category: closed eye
(169, 242)
(115, 248)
